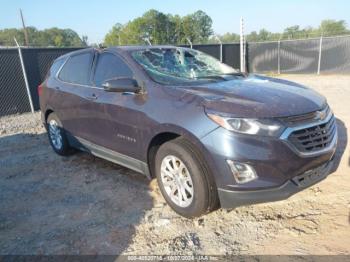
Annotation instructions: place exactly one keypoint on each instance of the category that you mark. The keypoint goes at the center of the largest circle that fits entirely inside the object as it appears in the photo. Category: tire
(181, 160)
(57, 136)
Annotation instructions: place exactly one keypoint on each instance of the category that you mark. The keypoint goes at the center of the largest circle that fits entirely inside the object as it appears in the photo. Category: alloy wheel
(177, 181)
(55, 134)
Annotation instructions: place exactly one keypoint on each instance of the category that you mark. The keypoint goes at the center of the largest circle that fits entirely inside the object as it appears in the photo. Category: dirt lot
(84, 205)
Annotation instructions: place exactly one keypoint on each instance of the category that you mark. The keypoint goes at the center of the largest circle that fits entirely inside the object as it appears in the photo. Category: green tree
(202, 26)
(7, 37)
(156, 26)
(333, 27)
(253, 37)
(48, 37)
(230, 37)
(225, 38)
(114, 36)
(176, 23)
(291, 32)
(160, 28)
(84, 39)
(264, 35)
(188, 30)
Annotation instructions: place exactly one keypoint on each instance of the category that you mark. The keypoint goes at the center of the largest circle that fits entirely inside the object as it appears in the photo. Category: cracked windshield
(178, 65)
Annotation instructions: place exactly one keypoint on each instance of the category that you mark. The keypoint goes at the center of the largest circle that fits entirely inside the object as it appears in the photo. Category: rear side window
(77, 69)
(56, 66)
(110, 66)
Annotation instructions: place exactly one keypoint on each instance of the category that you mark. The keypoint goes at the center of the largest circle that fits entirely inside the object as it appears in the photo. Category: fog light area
(243, 173)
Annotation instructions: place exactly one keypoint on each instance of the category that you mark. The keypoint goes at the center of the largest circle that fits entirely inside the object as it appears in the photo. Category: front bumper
(232, 199)
(276, 163)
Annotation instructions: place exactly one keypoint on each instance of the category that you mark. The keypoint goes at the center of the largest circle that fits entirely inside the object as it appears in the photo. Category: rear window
(77, 69)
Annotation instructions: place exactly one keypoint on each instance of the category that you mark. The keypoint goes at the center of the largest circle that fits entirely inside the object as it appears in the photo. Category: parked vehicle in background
(211, 135)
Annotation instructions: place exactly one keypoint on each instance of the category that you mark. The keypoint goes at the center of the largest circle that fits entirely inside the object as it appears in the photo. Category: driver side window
(110, 66)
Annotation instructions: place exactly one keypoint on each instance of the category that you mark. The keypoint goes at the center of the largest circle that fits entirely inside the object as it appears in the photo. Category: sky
(95, 18)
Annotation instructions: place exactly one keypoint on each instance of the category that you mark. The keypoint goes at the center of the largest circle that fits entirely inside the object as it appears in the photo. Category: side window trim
(90, 70)
(98, 54)
(59, 70)
(93, 68)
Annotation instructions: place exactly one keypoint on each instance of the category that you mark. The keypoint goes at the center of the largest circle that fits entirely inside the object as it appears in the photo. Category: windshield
(179, 65)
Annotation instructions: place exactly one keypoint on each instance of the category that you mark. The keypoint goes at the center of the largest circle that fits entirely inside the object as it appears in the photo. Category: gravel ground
(85, 205)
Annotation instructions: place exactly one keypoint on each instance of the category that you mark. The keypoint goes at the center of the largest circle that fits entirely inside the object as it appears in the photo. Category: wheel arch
(167, 133)
(47, 113)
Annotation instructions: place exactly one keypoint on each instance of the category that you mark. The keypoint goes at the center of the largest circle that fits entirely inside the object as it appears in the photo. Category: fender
(178, 130)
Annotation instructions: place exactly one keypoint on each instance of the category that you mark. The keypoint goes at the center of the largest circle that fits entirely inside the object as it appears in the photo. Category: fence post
(189, 41)
(25, 76)
(221, 57)
(320, 56)
(242, 47)
(218, 39)
(279, 57)
(148, 41)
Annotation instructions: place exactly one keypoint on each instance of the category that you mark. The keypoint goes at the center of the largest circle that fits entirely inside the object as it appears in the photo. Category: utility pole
(24, 29)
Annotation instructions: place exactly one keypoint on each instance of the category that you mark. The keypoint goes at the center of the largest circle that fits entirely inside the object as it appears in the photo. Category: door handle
(92, 97)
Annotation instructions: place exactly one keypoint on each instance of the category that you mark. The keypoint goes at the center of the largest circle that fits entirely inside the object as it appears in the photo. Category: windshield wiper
(214, 77)
(235, 74)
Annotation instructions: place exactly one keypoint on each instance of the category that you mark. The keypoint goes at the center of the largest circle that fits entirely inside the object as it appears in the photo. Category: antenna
(26, 39)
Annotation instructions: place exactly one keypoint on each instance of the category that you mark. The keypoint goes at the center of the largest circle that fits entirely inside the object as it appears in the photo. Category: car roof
(82, 50)
(141, 47)
(120, 49)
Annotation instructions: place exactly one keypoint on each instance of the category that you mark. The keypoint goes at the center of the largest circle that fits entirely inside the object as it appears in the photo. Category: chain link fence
(13, 95)
(229, 53)
(310, 56)
(37, 63)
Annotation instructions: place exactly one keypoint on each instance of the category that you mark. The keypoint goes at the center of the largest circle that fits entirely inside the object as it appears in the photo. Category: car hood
(258, 97)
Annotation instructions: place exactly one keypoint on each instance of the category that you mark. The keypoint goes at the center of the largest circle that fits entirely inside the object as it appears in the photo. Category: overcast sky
(95, 18)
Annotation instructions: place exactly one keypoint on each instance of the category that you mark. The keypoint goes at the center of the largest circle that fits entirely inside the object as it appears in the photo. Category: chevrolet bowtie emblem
(320, 115)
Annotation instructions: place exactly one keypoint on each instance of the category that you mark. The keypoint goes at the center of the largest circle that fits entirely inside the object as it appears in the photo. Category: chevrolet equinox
(211, 135)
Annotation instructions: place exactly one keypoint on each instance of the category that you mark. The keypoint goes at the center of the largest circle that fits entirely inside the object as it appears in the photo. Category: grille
(315, 138)
(306, 118)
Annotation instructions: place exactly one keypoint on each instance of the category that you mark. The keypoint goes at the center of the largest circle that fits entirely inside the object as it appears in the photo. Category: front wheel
(184, 179)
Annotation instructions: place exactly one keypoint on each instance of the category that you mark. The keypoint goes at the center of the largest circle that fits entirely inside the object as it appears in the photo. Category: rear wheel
(184, 179)
(57, 136)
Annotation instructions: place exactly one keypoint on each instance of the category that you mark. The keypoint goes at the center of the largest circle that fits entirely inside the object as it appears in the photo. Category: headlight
(262, 127)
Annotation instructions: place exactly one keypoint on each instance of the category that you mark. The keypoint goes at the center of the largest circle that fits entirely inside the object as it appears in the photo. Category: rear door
(73, 80)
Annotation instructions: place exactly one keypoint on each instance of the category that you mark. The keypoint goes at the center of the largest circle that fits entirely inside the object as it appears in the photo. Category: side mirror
(121, 85)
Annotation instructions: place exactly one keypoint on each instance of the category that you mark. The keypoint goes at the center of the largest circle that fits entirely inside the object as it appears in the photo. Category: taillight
(40, 89)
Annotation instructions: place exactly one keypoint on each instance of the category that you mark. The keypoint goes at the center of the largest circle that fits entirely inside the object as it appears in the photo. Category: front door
(113, 117)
